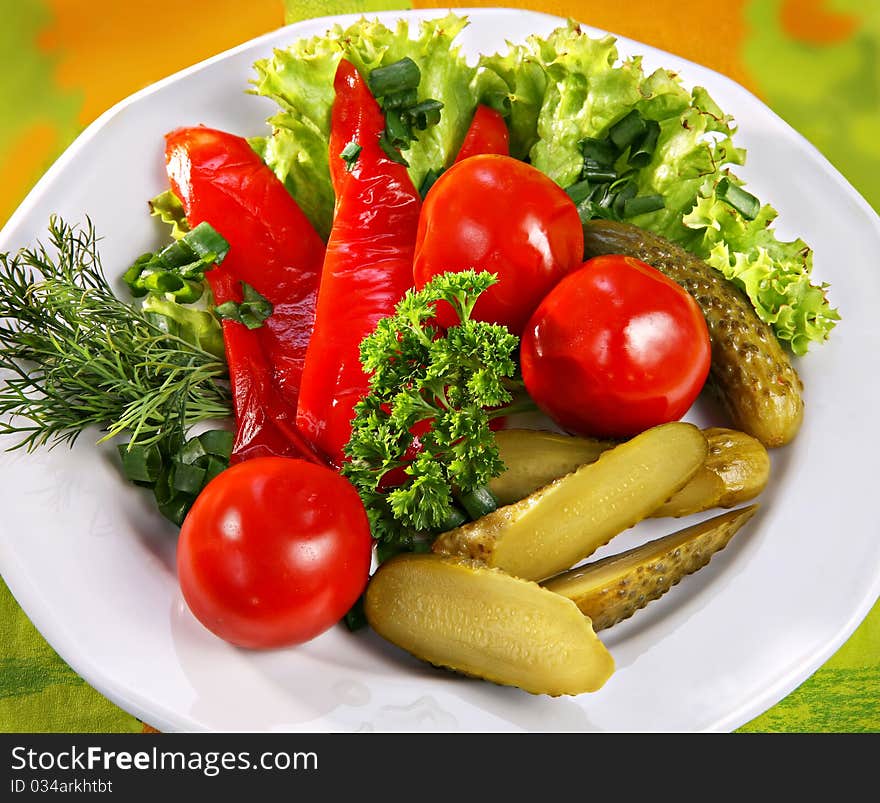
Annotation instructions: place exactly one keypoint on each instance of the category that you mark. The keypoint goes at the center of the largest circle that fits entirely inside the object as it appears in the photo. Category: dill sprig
(73, 355)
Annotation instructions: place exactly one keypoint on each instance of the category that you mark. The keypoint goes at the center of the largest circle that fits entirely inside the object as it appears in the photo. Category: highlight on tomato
(615, 348)
(273, 552)
(494, 213)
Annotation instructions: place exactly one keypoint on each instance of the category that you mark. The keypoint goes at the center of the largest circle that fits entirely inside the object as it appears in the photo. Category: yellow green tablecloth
(63, 62)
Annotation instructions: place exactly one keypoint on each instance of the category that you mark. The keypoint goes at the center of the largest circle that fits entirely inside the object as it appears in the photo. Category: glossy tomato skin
(615, 349)
(492, 212)
(274, 551)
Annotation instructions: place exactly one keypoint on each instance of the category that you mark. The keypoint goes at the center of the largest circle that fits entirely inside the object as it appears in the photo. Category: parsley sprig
(457, 381)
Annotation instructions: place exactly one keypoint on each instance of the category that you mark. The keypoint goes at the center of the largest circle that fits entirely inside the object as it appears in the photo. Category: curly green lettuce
(300, 80)
(587, 88)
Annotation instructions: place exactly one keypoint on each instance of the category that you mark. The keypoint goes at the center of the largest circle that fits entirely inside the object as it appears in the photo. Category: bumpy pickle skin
(613, 589)
(751, 371)
(567, 520)
(487, 624)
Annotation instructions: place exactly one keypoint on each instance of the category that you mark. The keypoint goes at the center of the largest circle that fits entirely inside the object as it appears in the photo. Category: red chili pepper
(367, 268)
(487, 134)
(273, 248)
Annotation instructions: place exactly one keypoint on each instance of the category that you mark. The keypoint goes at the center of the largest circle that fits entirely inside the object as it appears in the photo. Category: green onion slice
(396, 77)
(627, 130)
(642, 205)
(744, 202)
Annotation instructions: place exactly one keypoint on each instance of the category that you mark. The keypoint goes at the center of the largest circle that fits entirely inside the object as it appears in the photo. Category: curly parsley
(454, 381)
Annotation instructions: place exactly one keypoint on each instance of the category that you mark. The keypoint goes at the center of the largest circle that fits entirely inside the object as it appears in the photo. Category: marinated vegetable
(534, 458)
(566, 521)
(751, 372)
(614, 349)
(614, 588)
(467, 223)
(487, 624)
(740, 461)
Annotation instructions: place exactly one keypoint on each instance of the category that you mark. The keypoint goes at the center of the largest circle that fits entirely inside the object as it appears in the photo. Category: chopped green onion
(597, 173)
(175, 508)
(627, 130)
(579, 191)
(390, 151)
(397, 77)
(400, 100)
(628, 191)
(642, 205)
(207, 243)
(424, 114)
(397, 129)
(600, 151)
(356, 618)
(428, 181)
(214, 466)
(217, 442)
(191, 451)
(478, 502)
(253, 310)
(350, 153)
(188, 479)
(642, 153)
(141, 464)
(744, 202)
(132, 276)
(178, 267)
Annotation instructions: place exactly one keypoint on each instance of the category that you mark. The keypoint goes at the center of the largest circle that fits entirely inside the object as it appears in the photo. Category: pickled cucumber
(737, 468)
(613, 589)
(751, 371)
(534, 458)
(567, 520)
(704, 491)
(487, 624)
(740, 461)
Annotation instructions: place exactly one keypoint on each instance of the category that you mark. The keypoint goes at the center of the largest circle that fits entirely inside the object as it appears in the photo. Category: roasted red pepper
(273, 248)
(367, 268)
(487, 134)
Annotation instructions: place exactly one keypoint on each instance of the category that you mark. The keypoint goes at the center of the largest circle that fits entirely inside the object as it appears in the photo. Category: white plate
(92, 563)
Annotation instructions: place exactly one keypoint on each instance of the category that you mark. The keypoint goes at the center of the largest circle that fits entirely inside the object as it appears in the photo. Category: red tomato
(498, 214)
(274, 552)
(615, 349)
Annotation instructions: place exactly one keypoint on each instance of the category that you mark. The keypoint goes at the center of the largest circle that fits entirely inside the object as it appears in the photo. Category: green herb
(458, 381)
(401, 76)
(178, 270)
(177, 470)
(349, 154)
(252, 311)
(428, 181)
(608, 186)
(77, 356)
(395, 86)
(744, 202)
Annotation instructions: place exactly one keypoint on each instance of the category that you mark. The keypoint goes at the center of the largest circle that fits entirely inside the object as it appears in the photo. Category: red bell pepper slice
(367, 267)
(272, 247)
(487, 134)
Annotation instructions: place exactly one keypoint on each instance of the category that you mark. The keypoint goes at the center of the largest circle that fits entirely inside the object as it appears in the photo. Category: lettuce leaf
(300, 80)
(167, 207)
(588, 88)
